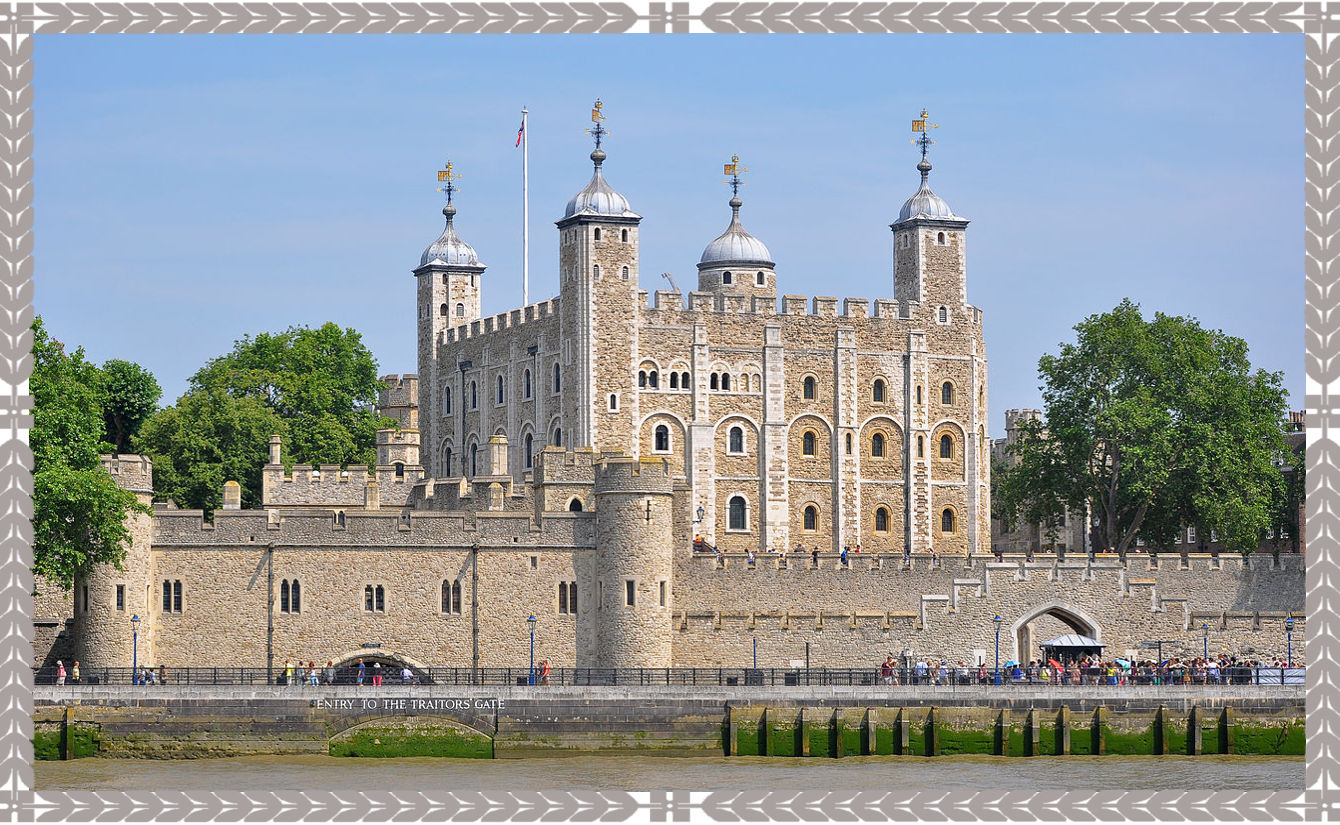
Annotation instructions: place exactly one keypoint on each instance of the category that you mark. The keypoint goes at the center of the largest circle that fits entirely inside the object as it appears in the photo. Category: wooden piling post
(901, 733)
(1000, 739)
(763, 724)
(733, 737)
(1194, 735)
(1063, 732)
(870, 741)
(1098, 733)
(804, 732)
(1226, 730)
(1032, 734)
(67, 733)
(1160, 734)
(932, 734)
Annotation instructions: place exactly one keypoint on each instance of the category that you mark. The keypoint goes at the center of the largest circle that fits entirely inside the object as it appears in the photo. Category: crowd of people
(701, 545)
(360, 673)
(1086, 670)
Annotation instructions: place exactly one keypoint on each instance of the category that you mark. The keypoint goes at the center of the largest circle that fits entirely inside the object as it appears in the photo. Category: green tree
(79, 514)
(207, 438)
(132, 396)
(1157, 424)
(322, 382)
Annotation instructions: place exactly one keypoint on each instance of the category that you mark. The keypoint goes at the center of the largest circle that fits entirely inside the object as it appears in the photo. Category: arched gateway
(1037, 624)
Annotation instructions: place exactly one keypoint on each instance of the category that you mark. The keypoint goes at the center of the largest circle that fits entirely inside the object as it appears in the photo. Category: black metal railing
(950, 677)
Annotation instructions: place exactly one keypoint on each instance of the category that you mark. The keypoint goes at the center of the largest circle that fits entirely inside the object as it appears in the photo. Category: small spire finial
(733, 170)
(448, 178)
(924, 141)
(597, 131)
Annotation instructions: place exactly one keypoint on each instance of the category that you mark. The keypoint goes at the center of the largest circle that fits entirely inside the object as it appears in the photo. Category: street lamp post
(1288, 631)
(134, 647)
(998, 622)
(701, 514)
(531, 621)
(1205, 642)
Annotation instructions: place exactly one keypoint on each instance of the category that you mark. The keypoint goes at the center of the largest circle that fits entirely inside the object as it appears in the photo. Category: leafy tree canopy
(132, 396)
(1155, 424)
(322, 382)
(207, 438)
(78, 511)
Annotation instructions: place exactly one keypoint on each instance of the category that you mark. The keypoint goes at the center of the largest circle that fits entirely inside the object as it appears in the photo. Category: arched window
(759, 279)
(500, 389)
(674, 380)
(944, 315)
(446, 595)
(947, 521)
(623, 235)
(598, 233)
(654, 379)
(399, 469)
(446, 401)
(683, 380)
(807, 443)
(530, 451)
(283, 596)
(715, 382)
(474, 395)
(881, 520)
(456, 596)
(946, 393)
(811, 520)
(877, 393)
(595, 271)
(575, 506)
(557, 383)
(562, 597)
(738, 513)
(725, 381)
(848, 443)
(525, 384)
(946, 446)
(444, 310)
(176, 596)
(809, 387)
(460, 310)
(877, 445)
(572, 596)
(624, 273)
(921, 447)
(642, 378)
(446, 462)
(918, 393)
(474, 460)
(736, 443)
(295, 603)
(614, 401)
(725, 278)
(662, 439)
(167, 596)
(939, 238)
(339, 518)
(558, 436)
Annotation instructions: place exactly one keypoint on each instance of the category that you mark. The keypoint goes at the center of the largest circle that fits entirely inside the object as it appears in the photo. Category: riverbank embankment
(502, 722)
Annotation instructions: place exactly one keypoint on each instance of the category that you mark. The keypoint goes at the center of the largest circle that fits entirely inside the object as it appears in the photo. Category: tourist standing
(376, 674)
(288, 672)
(330, 672)
(544, 671)
(362, 672)
(60, 673)
(74, 672)
(844, 555)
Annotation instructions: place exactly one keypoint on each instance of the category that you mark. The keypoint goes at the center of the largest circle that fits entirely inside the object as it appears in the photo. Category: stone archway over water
(1074, 620)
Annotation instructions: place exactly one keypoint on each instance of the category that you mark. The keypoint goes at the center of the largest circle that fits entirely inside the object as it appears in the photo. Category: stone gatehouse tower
(819, 422)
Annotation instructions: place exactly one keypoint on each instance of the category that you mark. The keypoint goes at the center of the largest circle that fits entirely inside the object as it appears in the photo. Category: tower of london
(658, 479)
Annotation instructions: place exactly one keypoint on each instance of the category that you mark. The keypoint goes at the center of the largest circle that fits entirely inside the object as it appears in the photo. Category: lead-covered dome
(735, 245)
(598, 197)
(925, 203)
(449, 249)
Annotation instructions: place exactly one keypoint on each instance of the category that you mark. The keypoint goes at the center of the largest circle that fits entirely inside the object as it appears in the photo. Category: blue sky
(191, 190)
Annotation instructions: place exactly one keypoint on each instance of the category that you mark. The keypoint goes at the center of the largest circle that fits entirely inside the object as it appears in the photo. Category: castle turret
(106, 598)
(598, 262)
(929, 248)
(737, 263)
(633, 565)
(449, 295)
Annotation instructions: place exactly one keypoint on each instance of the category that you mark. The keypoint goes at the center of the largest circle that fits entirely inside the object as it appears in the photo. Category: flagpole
(525, 210)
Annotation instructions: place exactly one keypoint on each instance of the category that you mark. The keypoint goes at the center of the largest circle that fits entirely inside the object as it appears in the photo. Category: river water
(647, 773)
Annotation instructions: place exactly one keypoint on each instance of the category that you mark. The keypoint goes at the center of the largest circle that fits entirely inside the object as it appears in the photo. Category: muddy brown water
(644, 773)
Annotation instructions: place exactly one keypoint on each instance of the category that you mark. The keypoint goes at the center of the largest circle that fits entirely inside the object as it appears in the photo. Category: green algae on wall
(420, 739)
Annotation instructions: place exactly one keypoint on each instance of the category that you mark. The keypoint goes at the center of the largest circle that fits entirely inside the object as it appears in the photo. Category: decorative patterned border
(18, 22)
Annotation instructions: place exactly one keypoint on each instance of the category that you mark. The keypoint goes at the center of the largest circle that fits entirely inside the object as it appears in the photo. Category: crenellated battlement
(130, 472)
(501, 321)
(669, 300)
(622, 474)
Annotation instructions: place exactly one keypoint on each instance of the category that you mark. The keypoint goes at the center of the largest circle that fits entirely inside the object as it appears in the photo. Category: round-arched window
(877, 394)
(736, 444)
(807, 443)
(881, 520)
(662, 442)
(877, 445)
(811, 518)
(946, 446)
(946, 393)
(947, 521)
(738, 513)
(809, 387)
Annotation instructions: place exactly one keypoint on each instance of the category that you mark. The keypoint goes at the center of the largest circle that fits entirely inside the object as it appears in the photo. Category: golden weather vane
(597, 131)
(733, 170)
(448, 177)
(921, 125)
